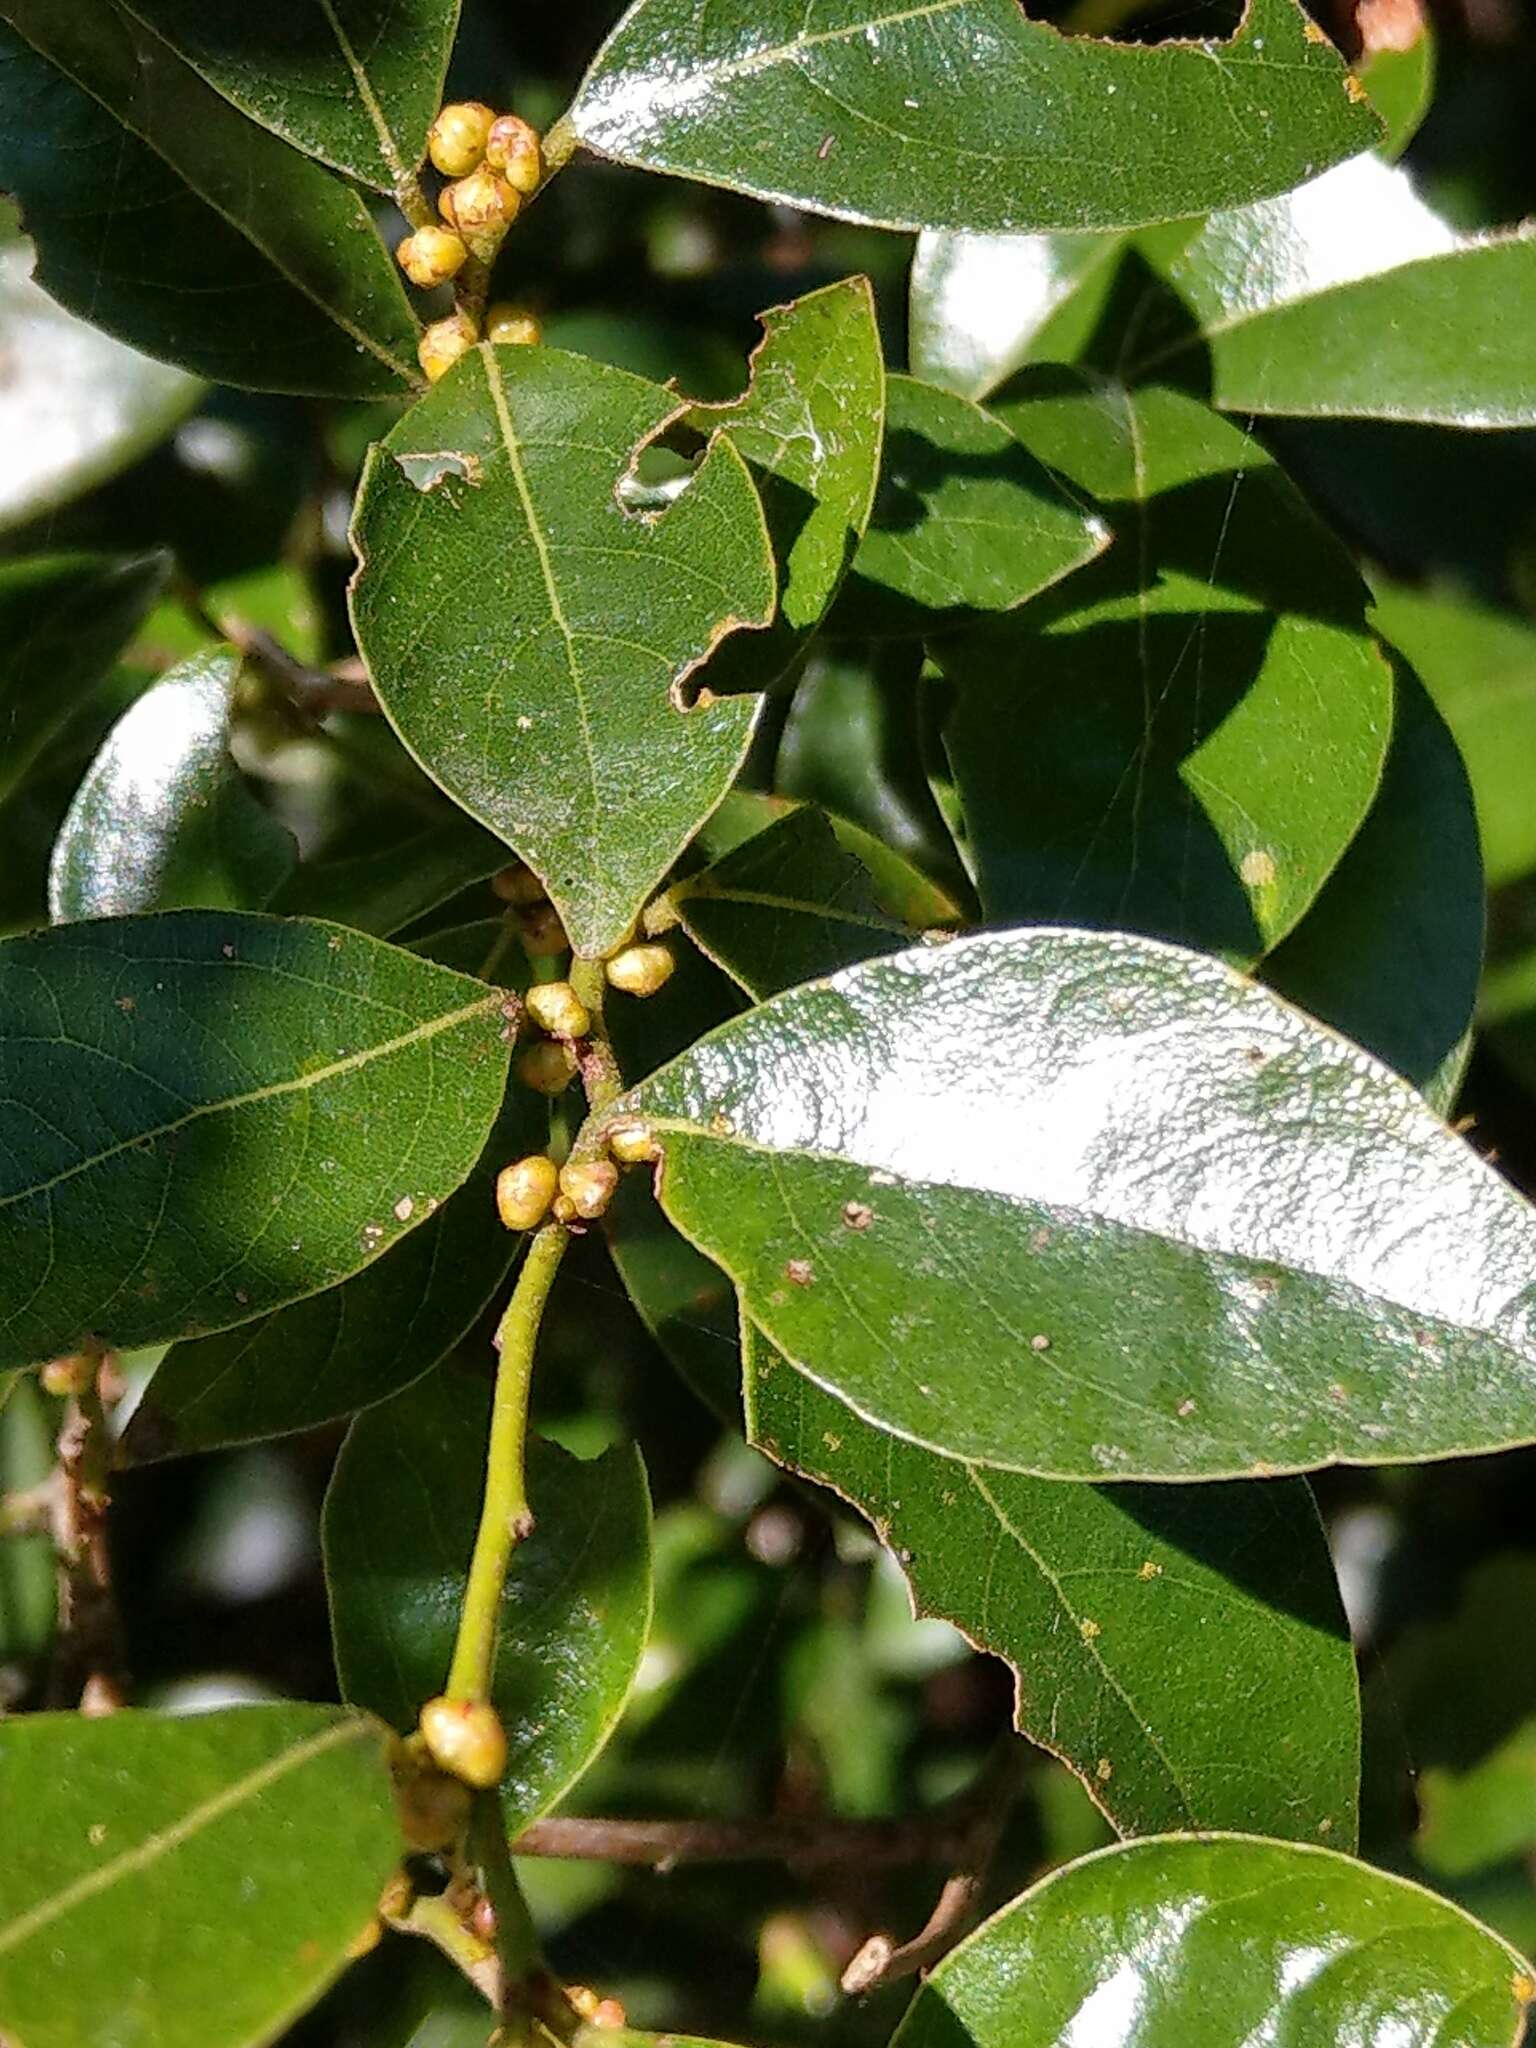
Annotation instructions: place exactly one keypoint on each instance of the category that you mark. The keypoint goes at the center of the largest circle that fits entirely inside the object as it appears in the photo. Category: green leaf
(1186, 740)
(963, 114)
(64, 619)
(966, 520)
(355, 1344)
(399, 1528)
(1221, 1943)
(528, 634)
(1479, 666)
(210, 1114)
(1181, 1648)
(75, 405)
(797, 900)
(1280, 298)
(1400, 82)
(1391, 951)
(187, 1883)
(356, 83)
(1088, 1206)
(857, 741)
(397, 865)
(164, 820)
(981, 305)
(810, 425)
(683, 1299)
(237, 259)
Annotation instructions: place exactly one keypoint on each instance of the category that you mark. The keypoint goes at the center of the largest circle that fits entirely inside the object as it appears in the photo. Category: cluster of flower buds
(493, 162)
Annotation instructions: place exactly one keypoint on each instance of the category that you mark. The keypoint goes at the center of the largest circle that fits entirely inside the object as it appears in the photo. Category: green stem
(505, 1517)
(517, 1941)
(600, 1075)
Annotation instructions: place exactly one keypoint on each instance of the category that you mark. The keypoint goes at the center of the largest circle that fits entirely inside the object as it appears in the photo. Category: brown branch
(314, 691)
(937, 1836)
(88, 1663)
(882, 1960)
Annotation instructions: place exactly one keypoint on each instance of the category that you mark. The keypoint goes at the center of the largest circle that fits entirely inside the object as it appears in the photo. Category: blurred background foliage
(785, 1673)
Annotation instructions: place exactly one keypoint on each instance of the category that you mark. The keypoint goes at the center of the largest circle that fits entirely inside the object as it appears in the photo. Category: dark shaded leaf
(1182, 1648)
(211, 1113)
(237, 259)
(399, 1528)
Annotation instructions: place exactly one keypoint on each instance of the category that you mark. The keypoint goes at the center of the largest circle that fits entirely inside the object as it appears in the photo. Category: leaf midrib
(162, 1843)
(419, 1034)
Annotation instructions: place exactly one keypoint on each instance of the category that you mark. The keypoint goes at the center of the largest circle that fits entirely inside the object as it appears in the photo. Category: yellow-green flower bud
(72, 1375)
(431, 256)
(482, 207)
(518, 884)
(548, 1067)
(641, 970)
(507, 323)
(457, 138)
(633, 1144)
(556, 1008)
(589, 1187)
(525, 1190)
(512, 148)
(443, 343)
(465, 1738)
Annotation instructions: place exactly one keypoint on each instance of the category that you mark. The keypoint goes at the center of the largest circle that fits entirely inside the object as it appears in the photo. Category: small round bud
(431, 256)
(589, 1187)
(506, 323)
(465, 1738)
(525, 1190)
(563, 1209)
(443, 343)
(482, 207)
(633, 1144)
(641, 970)
(70, 1376)
(517, 884)
(512, 148)
(457, 138)
(433, 1810)
(556, 1008)
(548, 1067)
(542, 933)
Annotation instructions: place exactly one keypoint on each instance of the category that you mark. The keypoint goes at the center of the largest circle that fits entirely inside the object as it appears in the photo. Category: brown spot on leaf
(799, 1272)
(1040, 1342)
(858, 1215)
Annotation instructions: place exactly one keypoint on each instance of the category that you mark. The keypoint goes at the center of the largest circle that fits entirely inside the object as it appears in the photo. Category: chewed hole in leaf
(660, 470)
(427, 471)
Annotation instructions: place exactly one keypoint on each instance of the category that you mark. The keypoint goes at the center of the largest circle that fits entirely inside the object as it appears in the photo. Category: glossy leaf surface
(527, 634)
(76, 406)
(261, 1835)
(1391, 951)
(1181, 1648)
(63, 621)
(979, 302)
(239, 260)
(211, 1113)
(1092, 1207)
(966, 520)
(164, 820)
(399, 1528)
(1188, 739)
(1213, 1944)
(962, 113)
(1282, 292)
(354, 82)
(810, 426)
(796, 901)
